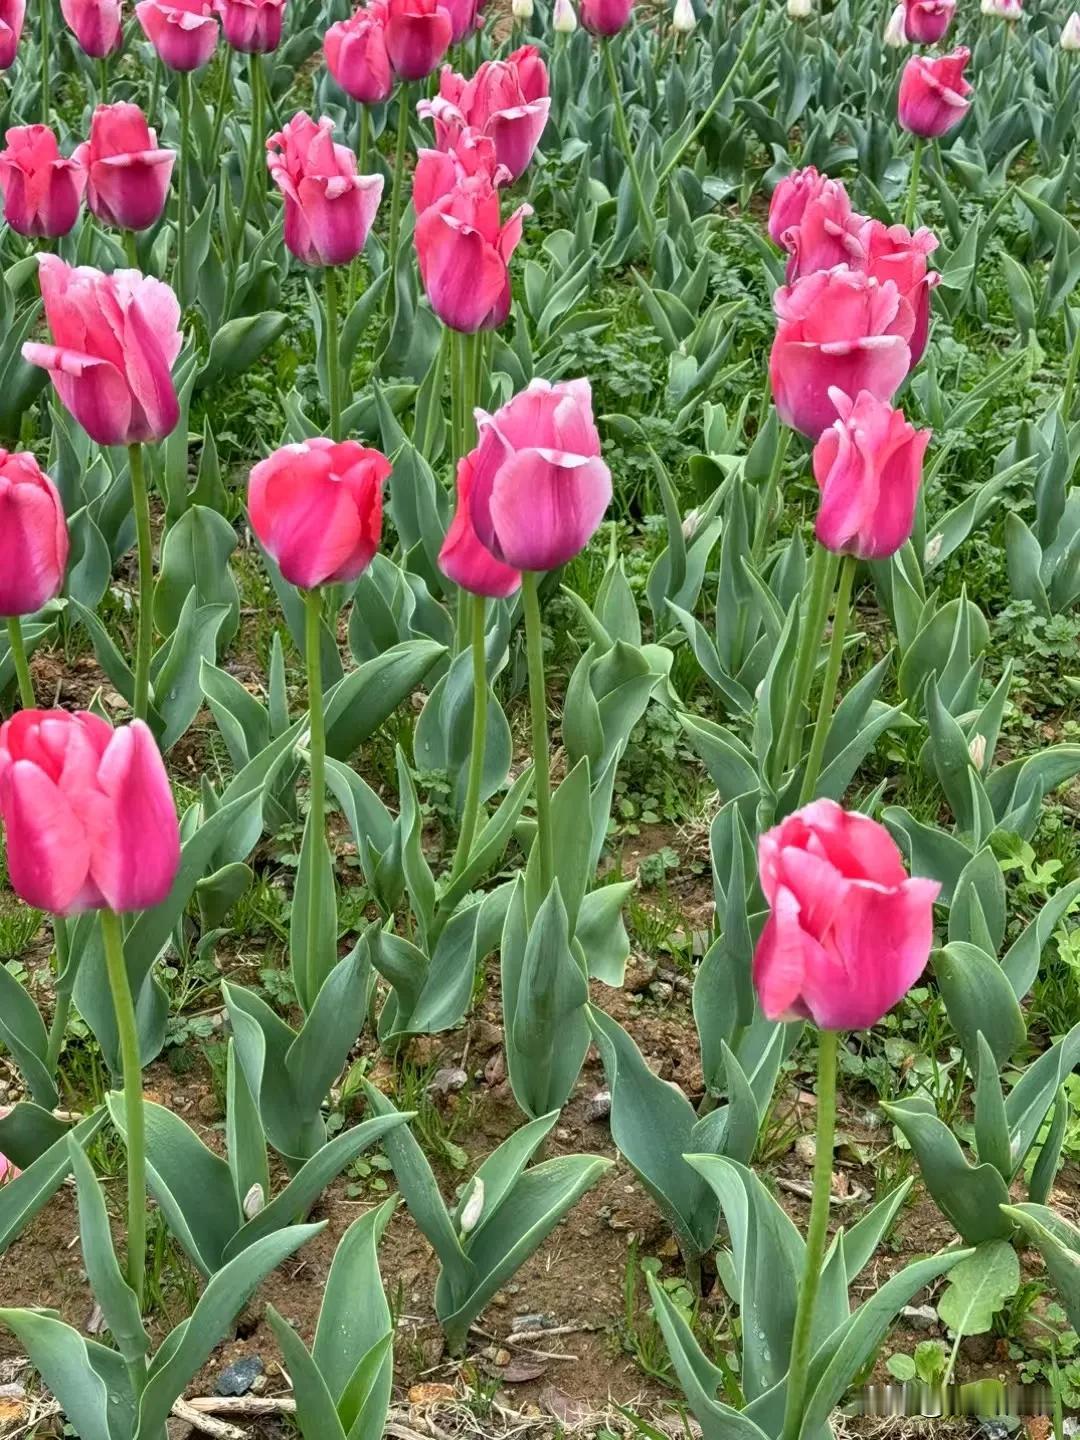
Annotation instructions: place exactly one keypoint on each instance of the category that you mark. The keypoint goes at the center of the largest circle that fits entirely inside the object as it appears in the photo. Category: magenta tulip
(506, 100)
(329, 208)
(605, 17)
(463, 558)
(127, 172)
(317, 509)
(934, 96)
(849, 932)
(252, 27)
(96, 25)
(926, 21)
(88, 812)
(790, 199)
(12, 15)
(42, 189)
(417, 36)
(356, 55)
(464, 18)
(827, 234)
(183, 32)
(837, 329)
(892, 252)
(33, 536)
(8, 1171)
(115, 338)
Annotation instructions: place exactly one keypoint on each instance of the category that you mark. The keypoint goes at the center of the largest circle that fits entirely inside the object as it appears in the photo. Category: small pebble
(240, 1376)
(599, 1107)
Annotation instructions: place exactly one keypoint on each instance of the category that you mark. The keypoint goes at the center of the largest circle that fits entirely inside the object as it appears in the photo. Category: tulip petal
(135, 860)
(48, 852)
(783, 956)
(546, 506)
(92, 389)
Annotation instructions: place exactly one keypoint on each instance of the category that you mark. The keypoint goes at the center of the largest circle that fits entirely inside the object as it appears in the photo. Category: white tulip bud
(933, 548)
(800, 9)
(690, 523)
(1070, 32)
(988, 7)
(565, 21)
(521, 9)
(254, 1202)
(473, 1208)
(896, 30)
(683, 20)
(977, 751)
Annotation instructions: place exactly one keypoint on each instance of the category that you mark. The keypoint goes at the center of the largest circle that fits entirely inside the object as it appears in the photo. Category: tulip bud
(254, 1201)
(933, 548)
(977, 751)
(1070, 33)
(683, 21)
(521, 9)
(473, 1208)
(565, 21)
(987, 7)
(690, 524)
(895, 30)
(800, 9)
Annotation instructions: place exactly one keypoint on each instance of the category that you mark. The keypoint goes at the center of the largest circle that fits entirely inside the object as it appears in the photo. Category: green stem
(718, 99)
(364, 140)
(1072, 373)
(534, 645)
(333, 351)
(255, 148)
(144, 644)
(822, 581)
(816, 1236)
(22, 669)
(463, 382)
(317, 776)
(62, 1006)
(622, 130)
(103, 80)
(184, 82)
(43, 37)
(470, 816)
(130, 250)
(219, 108)
(768, 499)
(397, 180)
(913, 183)
(134, 1121)
(832, 676)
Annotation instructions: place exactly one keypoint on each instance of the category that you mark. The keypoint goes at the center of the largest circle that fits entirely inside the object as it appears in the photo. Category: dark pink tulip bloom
(42, 189)
(463, 558)
(417, 36)
(12, 15)
(464, 18)
(329, 208)
(183, 32)
(826, 235)
(892, 252)
(506, 100)
(88, 812)
(837, 329)
(606, 17)
(251, 26)
(790, 199)
(33, 536)
(317, 509)
(96, 25)
(926, 21)
(356, 56)
(128, 174)
(115, 338)
(934, 96)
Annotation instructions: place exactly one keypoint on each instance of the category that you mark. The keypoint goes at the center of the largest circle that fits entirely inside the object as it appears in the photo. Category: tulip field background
(486, 901)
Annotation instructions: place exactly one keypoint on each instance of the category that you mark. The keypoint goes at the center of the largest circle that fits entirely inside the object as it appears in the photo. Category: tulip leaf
(1058, 1242)
(89, 1380)
(316, 1413)
(119, 1303)
(22, 1031)
(22, 1197)
(968, 1195)
(354, 1317)
(979, 1000)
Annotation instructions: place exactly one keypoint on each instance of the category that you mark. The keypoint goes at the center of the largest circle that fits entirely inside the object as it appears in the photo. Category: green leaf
(119, 1303)
(1058, 1243)
(354, 1317)
(979, 1000)
(968, 1195)
(22, 1031)
(978, 1287)
(316, 1413)
(313, 954)
(23, 1197)
(88, 1380)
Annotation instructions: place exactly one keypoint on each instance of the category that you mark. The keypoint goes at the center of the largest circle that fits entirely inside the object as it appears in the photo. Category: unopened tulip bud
(254, 1201)
(474, 1208)
(800, 9)
(683, 21)
(565, 20)
(1070, 33)
(522, 9)
(933, 548)
(977, 751)
(895, 31)
(690, 524)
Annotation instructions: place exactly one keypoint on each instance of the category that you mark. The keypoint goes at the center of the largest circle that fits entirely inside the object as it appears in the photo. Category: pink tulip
(837, 329)
(96, 25)
(417, 36)
(356, 57)
(251, 26)
(849, 932)
(926, 21)
(464, 18)
(892, 252)
(827, 234)
(506, 100)
(934, 96)
(8, 1171)
(115, 338)
(463, 558)
(42, 189)
(437, 172)
(12, 15)
(183, 32)
(33, 536)
(128, 174)
(317, 509)
(535, 487)
(868, 466)
(605, 17)
(88, 812)
(329, 208)
(790, 199)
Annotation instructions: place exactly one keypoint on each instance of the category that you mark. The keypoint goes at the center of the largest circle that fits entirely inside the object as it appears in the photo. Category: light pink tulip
(317, 509)
(96, 25)
(849, 932)
(606, 17)
(827, 234)
(926, 21)
(934, 96)
(463, 558)
(790, 199)
(253, 27)
(33, 536)
(183, 32)
(417, 36)
(127, 172)
(535, 486)
(329, 208)
(868, 466)
(88, 812)
(837, 329)
(356, 56)
(8, 1171)
(12, 15)
(42, 189)
(115, 338)
(506, 100)
(892, 252)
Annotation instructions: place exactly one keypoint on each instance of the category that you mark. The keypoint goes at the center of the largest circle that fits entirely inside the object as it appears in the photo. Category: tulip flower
(926, 21)
(1010, 10)
(521, 9)
(849, 932)
(12, 15)
(252, 27)
(506, 100)
(827, 234)
(934, 96)
(896, 30)
(791, 197)
(42, 189)
(463, 558)
(892, 252)
(128, 173)
(465, 17)
(868, 467)
(800, 9)
(418, 34)
(96, 25)
(33, 536)
(329, 208)
(606, 17)
(1070, 32)
(317, 509)
(564, 20)
(683, 19)
(183, 32)
(8, 1171)
(837, 329)
(356, 56)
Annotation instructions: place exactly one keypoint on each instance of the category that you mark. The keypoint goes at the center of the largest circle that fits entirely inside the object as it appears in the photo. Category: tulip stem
(817, 1235)
(913, 183)
(534, 646)
(254, 146)
(134, 1121)
(18, 659)
(130, 250)
(103, 80)
(333, 351)
(822, 582)
(144, 643)
(317, 780)
(363, 140)
(183, 80)
(832, 676)
(622, 130)
(62, 1004)
(1073, 371)
(470, 815)
(768, 498)
(397, 182)
(43, 38)
(219, 108)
